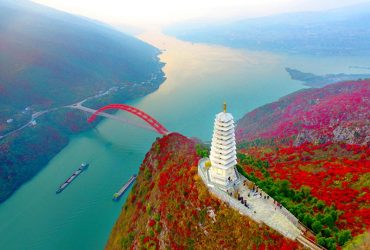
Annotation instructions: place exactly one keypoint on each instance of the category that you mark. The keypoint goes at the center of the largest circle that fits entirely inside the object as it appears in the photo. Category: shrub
(320, 205)
(202, 150)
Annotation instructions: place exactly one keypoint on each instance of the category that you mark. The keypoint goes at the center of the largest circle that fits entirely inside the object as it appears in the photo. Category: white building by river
(219, 174)
(219, 168)
(222, 170)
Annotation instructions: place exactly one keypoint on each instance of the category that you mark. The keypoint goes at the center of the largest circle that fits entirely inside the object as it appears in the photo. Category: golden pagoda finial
(224, 107)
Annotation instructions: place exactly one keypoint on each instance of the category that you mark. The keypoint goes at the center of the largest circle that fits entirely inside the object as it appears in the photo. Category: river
(199, 79)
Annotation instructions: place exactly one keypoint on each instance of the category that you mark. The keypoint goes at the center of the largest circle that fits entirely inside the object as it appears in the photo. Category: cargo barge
(82, 167)
(123, 189)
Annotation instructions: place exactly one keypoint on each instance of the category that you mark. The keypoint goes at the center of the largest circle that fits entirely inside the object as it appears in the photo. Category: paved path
(275, 217)
(269, 213)
(259, 209)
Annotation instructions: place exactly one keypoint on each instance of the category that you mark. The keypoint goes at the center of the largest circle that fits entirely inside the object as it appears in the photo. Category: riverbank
(318, 81)
(25, 152)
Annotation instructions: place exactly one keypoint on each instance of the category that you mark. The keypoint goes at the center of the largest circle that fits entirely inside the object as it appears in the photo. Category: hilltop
(170, 207)
(341, 31)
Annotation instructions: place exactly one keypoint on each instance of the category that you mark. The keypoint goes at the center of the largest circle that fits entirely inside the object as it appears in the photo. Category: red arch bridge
(151, 123)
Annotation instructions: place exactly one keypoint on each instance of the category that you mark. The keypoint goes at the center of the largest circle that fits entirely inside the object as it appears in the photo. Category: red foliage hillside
(170, 208)
(317, 138)
(337, 174)
(337, 112)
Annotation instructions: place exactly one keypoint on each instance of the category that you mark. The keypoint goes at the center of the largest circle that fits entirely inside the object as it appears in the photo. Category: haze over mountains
(342, 31)
(48, 57)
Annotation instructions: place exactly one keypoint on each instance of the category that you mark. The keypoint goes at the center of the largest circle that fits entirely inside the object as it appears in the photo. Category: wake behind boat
(82, 167)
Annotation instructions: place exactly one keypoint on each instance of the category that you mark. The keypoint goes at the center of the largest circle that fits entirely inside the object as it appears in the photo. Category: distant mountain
(49, 58)
(343, 31)
(338, 112)
(313, 80)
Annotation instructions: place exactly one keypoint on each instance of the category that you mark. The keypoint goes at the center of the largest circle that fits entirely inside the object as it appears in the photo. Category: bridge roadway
(82, 108)
(114, 117)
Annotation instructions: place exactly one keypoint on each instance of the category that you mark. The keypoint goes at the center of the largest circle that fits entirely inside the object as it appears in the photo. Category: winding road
(79, 106)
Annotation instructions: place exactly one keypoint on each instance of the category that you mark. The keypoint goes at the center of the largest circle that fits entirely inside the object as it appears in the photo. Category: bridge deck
(114, 117)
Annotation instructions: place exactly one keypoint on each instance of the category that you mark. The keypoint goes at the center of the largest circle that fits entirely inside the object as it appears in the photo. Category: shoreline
(58, 125)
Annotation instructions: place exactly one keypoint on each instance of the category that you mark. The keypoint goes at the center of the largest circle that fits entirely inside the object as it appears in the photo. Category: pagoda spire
(224, 107)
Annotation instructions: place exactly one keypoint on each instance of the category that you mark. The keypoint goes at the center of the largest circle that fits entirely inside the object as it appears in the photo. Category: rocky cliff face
(170, 208)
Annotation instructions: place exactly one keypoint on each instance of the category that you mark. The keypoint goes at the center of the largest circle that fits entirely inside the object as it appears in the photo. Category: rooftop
(224, 117)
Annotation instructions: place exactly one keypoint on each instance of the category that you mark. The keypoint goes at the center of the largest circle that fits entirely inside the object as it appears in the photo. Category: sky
(163, 12)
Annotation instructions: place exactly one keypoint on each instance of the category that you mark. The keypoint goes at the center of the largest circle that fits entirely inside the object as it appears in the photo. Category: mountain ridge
(55, 58)
(306, 115)
(339, 31)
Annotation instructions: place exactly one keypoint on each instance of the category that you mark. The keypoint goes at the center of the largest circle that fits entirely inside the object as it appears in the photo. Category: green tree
(298, 197)
(307, 220)
(343, 237)
(317, 226)
(320, 205)
(328, 220)
(334, 214)
(284, 186)
(326, 232)
(321, 240)
(330, 243)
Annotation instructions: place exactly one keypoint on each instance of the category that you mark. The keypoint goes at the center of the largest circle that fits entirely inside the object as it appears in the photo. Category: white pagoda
(222, 171)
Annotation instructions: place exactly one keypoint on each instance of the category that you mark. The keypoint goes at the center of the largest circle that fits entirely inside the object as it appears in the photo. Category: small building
(9, 120)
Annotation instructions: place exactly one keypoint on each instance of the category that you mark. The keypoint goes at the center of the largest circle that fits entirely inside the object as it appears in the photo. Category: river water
(199, 79)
